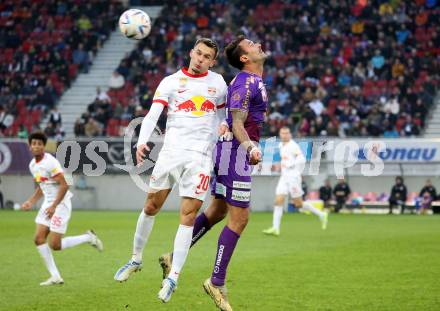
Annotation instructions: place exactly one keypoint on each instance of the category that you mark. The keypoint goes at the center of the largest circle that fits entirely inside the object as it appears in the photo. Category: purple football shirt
(232, 178)
(247, 93)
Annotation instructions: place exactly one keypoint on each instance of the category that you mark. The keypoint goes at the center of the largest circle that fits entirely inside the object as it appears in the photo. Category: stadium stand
(341, 69)
(336, 68)
(43, 46)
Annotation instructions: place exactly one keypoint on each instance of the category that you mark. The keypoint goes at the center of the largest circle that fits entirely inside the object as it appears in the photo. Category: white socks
(277, 214)
(307, 206)
(182, 243)
(46, 254)
(72, 241)
(143, 229)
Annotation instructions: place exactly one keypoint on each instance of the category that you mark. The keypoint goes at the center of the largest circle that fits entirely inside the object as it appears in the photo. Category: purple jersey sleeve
(247, 93)
(241, 94)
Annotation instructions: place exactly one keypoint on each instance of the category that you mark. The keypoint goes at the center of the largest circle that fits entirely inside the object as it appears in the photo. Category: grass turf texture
(362, 262)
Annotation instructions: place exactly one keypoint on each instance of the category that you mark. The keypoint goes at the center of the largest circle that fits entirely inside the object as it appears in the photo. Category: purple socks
(225, 248)
(201, 226)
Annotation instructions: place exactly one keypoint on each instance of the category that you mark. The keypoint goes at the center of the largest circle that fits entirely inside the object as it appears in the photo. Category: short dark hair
(209, 43)
(233, 53)
(38, 136)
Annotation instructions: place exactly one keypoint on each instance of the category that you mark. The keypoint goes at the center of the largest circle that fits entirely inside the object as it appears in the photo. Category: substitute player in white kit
(290, 182)
(195, 97)
(54, 214)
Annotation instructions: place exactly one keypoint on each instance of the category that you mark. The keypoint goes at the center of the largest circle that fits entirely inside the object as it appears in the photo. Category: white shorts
(290, 185)
(60, 219)
(191, 170)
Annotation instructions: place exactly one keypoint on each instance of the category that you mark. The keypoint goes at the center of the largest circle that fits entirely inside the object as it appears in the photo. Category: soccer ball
(135, 24)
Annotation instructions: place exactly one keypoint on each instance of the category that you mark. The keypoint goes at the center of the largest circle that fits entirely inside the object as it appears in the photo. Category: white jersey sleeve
(149, 122)
(223, 89)
(163, 92)
(162, 97)
(54, 166)
(221, 102)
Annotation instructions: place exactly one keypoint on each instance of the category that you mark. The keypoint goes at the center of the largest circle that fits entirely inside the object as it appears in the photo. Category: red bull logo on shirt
(39, 178)
(197, 105)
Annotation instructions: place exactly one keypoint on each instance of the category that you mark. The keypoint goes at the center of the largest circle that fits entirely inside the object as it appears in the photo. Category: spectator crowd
(336, 68)
(43, 46)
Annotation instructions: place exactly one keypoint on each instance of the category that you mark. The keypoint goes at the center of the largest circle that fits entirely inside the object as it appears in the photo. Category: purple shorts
(231, 180)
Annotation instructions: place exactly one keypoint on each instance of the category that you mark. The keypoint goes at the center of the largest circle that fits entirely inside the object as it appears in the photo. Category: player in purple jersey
(246, 106)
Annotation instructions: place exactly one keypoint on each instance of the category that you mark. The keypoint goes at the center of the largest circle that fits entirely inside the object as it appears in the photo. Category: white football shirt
(292, 159)
(44, 172)
(193, 102)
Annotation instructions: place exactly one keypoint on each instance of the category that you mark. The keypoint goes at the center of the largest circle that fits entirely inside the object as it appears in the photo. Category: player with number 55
(54, 215)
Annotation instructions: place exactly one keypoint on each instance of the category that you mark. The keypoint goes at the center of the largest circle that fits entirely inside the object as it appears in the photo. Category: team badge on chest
(212, 91)
(182, 82)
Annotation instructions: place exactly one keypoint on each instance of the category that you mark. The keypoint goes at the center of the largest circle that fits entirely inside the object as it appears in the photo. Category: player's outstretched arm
(33, 199)
(147, 127)
(238, 119)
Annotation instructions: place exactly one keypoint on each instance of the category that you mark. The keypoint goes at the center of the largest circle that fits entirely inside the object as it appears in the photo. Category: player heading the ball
(195, 98)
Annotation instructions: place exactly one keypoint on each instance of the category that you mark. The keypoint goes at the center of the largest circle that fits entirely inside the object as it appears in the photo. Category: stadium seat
(112, 130)
(113, 122)
(8, 55)
(125, 122)
(73, 70)
(370, 196)
(36, 116)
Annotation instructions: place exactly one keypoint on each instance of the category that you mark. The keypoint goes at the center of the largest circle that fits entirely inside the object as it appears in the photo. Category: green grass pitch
(362, 262)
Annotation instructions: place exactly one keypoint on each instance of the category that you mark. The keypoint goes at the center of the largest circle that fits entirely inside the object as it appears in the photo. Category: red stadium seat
(113, 122)
(368, 83)
(20, 104)
(59, 87)
(125, 122)
(23, 113)
(73, 70)
(370, 196)
(381, 84)
(28, 124)
(112, 130)
(9, 55)
(36, 116)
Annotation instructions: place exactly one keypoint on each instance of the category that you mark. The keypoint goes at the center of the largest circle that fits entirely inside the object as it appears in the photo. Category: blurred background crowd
(336, 68)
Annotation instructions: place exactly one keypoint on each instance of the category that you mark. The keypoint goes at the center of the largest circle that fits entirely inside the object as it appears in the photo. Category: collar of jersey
(200, 75)
(38, 161)
(250, 73)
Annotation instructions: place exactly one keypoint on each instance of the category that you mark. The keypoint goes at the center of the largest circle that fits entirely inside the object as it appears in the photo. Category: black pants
(396, 203)
(2, 206)
(340, 203)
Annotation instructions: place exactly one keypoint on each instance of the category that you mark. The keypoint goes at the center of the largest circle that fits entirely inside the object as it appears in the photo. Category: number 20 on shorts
(203, 184)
